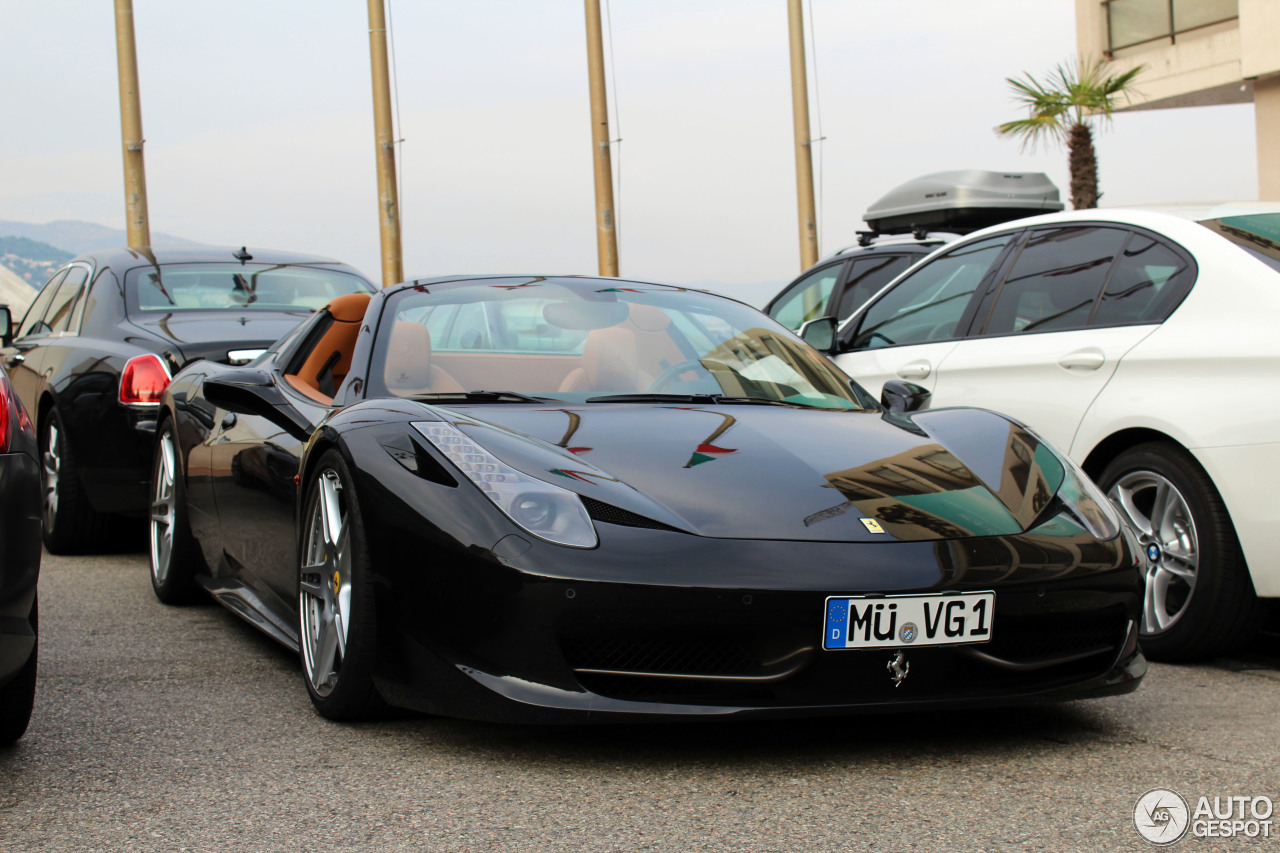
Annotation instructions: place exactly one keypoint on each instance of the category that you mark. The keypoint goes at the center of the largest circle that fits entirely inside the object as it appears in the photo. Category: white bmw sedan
(1145, 344)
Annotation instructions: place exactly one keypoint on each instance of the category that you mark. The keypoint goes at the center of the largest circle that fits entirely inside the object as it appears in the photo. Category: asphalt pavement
(167, 729)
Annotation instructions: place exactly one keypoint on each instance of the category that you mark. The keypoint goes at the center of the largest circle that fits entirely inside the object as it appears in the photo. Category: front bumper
(657, 624)
(19, 559)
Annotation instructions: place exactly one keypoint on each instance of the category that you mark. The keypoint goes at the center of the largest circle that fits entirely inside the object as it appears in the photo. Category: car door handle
(15, 359)
(915, 370)
(1083, 359)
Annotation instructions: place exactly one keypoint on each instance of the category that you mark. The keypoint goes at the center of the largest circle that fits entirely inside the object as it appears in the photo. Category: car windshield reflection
(578, 341)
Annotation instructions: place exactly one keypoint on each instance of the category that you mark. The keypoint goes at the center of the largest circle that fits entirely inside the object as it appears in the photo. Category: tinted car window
(1149, 281)
(1055, 280)
(928, 304)
(866, 277)
(58, 318)
(33, 323)
(807, 299)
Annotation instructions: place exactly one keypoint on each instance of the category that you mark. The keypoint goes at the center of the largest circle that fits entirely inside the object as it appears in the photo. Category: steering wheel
(667, 377)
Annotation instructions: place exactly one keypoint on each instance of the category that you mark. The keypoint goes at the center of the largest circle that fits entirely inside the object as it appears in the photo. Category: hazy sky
(259, 130)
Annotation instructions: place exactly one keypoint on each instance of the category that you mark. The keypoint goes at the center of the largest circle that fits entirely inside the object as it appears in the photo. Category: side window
(867, 276)
(928, 304)
(1055, 280)
(807, 299)
(470, 329)
(64, 301)
(1150, 280)
(33, 323)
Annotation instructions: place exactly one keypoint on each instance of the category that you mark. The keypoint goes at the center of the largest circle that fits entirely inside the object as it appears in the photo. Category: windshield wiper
(481, 397)
(701, 399)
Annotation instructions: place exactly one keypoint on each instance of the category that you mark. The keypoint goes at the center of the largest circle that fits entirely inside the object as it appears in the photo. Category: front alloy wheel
(325, 586)
(336, 617)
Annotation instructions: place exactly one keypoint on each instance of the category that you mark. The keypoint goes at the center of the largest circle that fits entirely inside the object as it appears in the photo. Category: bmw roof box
(962, 201)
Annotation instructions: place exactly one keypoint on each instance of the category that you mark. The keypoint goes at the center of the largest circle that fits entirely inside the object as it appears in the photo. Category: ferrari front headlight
(545, 510)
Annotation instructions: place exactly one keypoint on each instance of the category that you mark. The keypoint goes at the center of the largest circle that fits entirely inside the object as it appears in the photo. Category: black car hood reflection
(209, 334)
(754, 472)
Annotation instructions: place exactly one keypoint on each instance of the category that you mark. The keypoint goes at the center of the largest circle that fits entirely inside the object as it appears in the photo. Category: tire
(337, 622)
(175, 555)
(70, 525)
(18, 696)
(1199, 600)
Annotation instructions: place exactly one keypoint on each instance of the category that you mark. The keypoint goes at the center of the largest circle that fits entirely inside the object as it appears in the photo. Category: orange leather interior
(330, 360)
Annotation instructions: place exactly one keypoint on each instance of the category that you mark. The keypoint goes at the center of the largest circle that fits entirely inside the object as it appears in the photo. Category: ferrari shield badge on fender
(872, 525)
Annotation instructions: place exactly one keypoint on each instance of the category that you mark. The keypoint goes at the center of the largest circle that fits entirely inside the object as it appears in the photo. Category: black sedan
(568, 499)
(99, 343)
(19, 563)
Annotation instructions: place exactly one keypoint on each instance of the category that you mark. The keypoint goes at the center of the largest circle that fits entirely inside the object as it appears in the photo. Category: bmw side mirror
(254, 392)
(6, 326)
(903, 397)
(820, 333)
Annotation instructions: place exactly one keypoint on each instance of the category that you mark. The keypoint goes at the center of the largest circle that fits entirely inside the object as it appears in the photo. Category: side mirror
(254, 392)
(820, 333)
(6, 326)
(903, 397)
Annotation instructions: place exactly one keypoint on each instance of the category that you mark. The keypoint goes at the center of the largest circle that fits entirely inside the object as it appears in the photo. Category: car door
(908, 330)
(1044, 344)
(22, 358)
(252, 462)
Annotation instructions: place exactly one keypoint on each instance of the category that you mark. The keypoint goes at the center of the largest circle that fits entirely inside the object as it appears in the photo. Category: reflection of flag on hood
(706, 453)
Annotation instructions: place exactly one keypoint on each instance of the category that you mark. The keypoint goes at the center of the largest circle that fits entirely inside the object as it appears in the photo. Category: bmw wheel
(335, 602)
(1199, 599)
(175, 556)
(70, 524)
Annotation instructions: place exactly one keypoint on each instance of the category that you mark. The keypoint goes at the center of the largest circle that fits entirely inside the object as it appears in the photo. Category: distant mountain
(76, 237)
(33, 250)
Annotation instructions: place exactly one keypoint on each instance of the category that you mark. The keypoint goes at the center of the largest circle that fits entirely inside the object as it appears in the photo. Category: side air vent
(609, 514)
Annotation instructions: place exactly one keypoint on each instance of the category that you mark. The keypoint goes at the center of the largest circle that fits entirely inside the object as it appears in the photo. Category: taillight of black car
(143, 380)
(13, 416)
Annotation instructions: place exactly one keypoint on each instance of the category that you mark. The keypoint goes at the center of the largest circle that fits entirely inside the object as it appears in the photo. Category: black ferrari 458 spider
(569, 499)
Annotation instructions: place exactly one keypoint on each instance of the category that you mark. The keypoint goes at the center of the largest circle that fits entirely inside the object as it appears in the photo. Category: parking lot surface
(161, 728)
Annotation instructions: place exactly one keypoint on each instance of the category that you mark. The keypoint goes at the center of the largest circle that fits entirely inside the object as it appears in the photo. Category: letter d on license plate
(860, 622)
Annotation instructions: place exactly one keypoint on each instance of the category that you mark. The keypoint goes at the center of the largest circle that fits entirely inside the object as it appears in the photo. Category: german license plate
(862, 622)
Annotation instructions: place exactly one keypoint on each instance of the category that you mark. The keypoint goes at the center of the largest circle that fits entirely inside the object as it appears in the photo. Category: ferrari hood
(212, 334)
(765, 472)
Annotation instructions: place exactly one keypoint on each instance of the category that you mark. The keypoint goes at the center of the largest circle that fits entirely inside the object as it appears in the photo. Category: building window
(1132, 22)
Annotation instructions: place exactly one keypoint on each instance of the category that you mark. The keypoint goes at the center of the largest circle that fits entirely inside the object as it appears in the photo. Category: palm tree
(1060, 110)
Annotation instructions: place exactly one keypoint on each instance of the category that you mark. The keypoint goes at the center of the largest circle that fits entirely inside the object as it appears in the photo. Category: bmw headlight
(545, 510)
(1087, 503)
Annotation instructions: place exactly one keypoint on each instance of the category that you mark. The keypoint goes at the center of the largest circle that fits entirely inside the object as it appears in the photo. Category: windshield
(236, 287)
(588, 340)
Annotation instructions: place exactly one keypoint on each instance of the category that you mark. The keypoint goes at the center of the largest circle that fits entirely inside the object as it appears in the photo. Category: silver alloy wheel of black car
(325, 585)
(52, 464)
(1166, 530)
(162, 510)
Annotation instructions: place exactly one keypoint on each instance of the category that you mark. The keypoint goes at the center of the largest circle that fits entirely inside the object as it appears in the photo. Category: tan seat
(409, 370)
(330, 359)
(626, 357)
